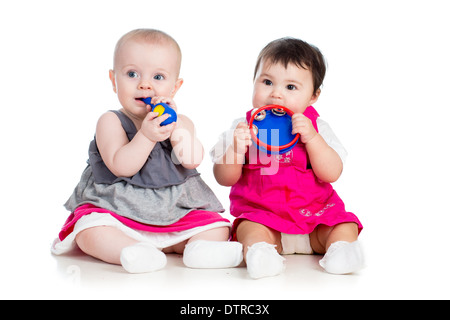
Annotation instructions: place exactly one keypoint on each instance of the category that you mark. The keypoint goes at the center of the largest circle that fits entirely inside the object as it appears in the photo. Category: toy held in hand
(271, 129)
(162, 108)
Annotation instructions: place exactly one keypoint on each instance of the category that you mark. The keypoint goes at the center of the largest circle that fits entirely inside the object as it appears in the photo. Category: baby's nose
(145, 85)
(276, 94)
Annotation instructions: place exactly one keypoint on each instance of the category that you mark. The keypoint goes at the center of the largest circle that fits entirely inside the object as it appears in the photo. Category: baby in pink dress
(287, 205)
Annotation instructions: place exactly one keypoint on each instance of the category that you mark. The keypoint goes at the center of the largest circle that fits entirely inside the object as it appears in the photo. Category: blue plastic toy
(271, 129)
(162, 108)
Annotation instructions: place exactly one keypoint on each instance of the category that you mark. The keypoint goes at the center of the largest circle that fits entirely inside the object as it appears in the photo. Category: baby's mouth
(146, 100)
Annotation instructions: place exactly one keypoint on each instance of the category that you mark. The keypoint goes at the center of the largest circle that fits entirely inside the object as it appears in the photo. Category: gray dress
(161, 193)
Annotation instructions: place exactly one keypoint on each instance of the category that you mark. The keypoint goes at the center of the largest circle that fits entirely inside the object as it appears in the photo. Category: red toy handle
(265, 145)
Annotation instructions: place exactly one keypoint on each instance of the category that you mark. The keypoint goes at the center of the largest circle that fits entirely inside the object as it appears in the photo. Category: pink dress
(283, 193)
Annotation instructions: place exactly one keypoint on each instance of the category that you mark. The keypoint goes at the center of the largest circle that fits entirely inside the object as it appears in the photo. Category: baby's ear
(112, 77)
(177, 86)
(315, 97)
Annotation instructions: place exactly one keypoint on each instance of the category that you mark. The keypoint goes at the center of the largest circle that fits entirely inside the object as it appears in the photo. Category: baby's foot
(213, 254)
(142, 257)
(343, 257)
(263, 260)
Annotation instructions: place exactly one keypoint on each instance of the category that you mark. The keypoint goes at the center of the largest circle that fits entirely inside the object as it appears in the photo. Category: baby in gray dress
(142, 175)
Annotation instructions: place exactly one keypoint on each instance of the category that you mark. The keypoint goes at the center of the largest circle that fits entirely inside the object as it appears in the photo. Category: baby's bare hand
(303, 125)
(242, 138)
(152, 129)
(169, 101)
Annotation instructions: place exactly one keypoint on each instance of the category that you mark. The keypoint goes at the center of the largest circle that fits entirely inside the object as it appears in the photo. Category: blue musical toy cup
(162, 108)
(271, 129)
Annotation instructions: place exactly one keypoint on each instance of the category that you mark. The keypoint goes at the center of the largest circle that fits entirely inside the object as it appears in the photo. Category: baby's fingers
(151, 115)
(162, 118)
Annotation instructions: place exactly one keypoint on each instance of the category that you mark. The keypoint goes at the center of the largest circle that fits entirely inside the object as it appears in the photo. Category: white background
(385, 95)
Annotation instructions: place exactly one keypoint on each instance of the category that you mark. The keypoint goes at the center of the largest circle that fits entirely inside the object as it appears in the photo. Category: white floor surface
(77, 276)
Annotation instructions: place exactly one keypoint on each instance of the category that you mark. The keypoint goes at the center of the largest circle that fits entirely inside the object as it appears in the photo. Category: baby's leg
(211, 249)
(343, 253)
(323, 236)
(259, 242)
(113, 246)
(104, 243)
(248, 233)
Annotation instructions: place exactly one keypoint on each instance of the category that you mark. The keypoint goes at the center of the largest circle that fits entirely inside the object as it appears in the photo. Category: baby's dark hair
(291, 50)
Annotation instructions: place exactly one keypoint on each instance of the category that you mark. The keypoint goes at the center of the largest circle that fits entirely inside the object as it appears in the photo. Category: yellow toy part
(160, 109)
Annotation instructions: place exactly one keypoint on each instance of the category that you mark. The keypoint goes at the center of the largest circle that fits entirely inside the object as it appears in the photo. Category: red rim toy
(268, 147)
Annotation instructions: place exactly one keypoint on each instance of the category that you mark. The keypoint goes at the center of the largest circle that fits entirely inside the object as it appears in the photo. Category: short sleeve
(330, 138)
(224, 142)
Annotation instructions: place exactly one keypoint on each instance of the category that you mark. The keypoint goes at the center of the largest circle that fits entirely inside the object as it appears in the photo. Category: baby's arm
(186, 147)
(228, 170)
(125, 158)
(325, 161)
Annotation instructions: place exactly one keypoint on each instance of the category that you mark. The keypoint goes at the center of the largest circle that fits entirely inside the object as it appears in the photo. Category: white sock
(142, 257)
(343, 257)
(263, 260)
(205, 254)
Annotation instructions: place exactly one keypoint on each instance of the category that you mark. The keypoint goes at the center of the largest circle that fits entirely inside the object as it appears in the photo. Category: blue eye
(267, 82)
(158, 77)
(132, 74)
(291, 87)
